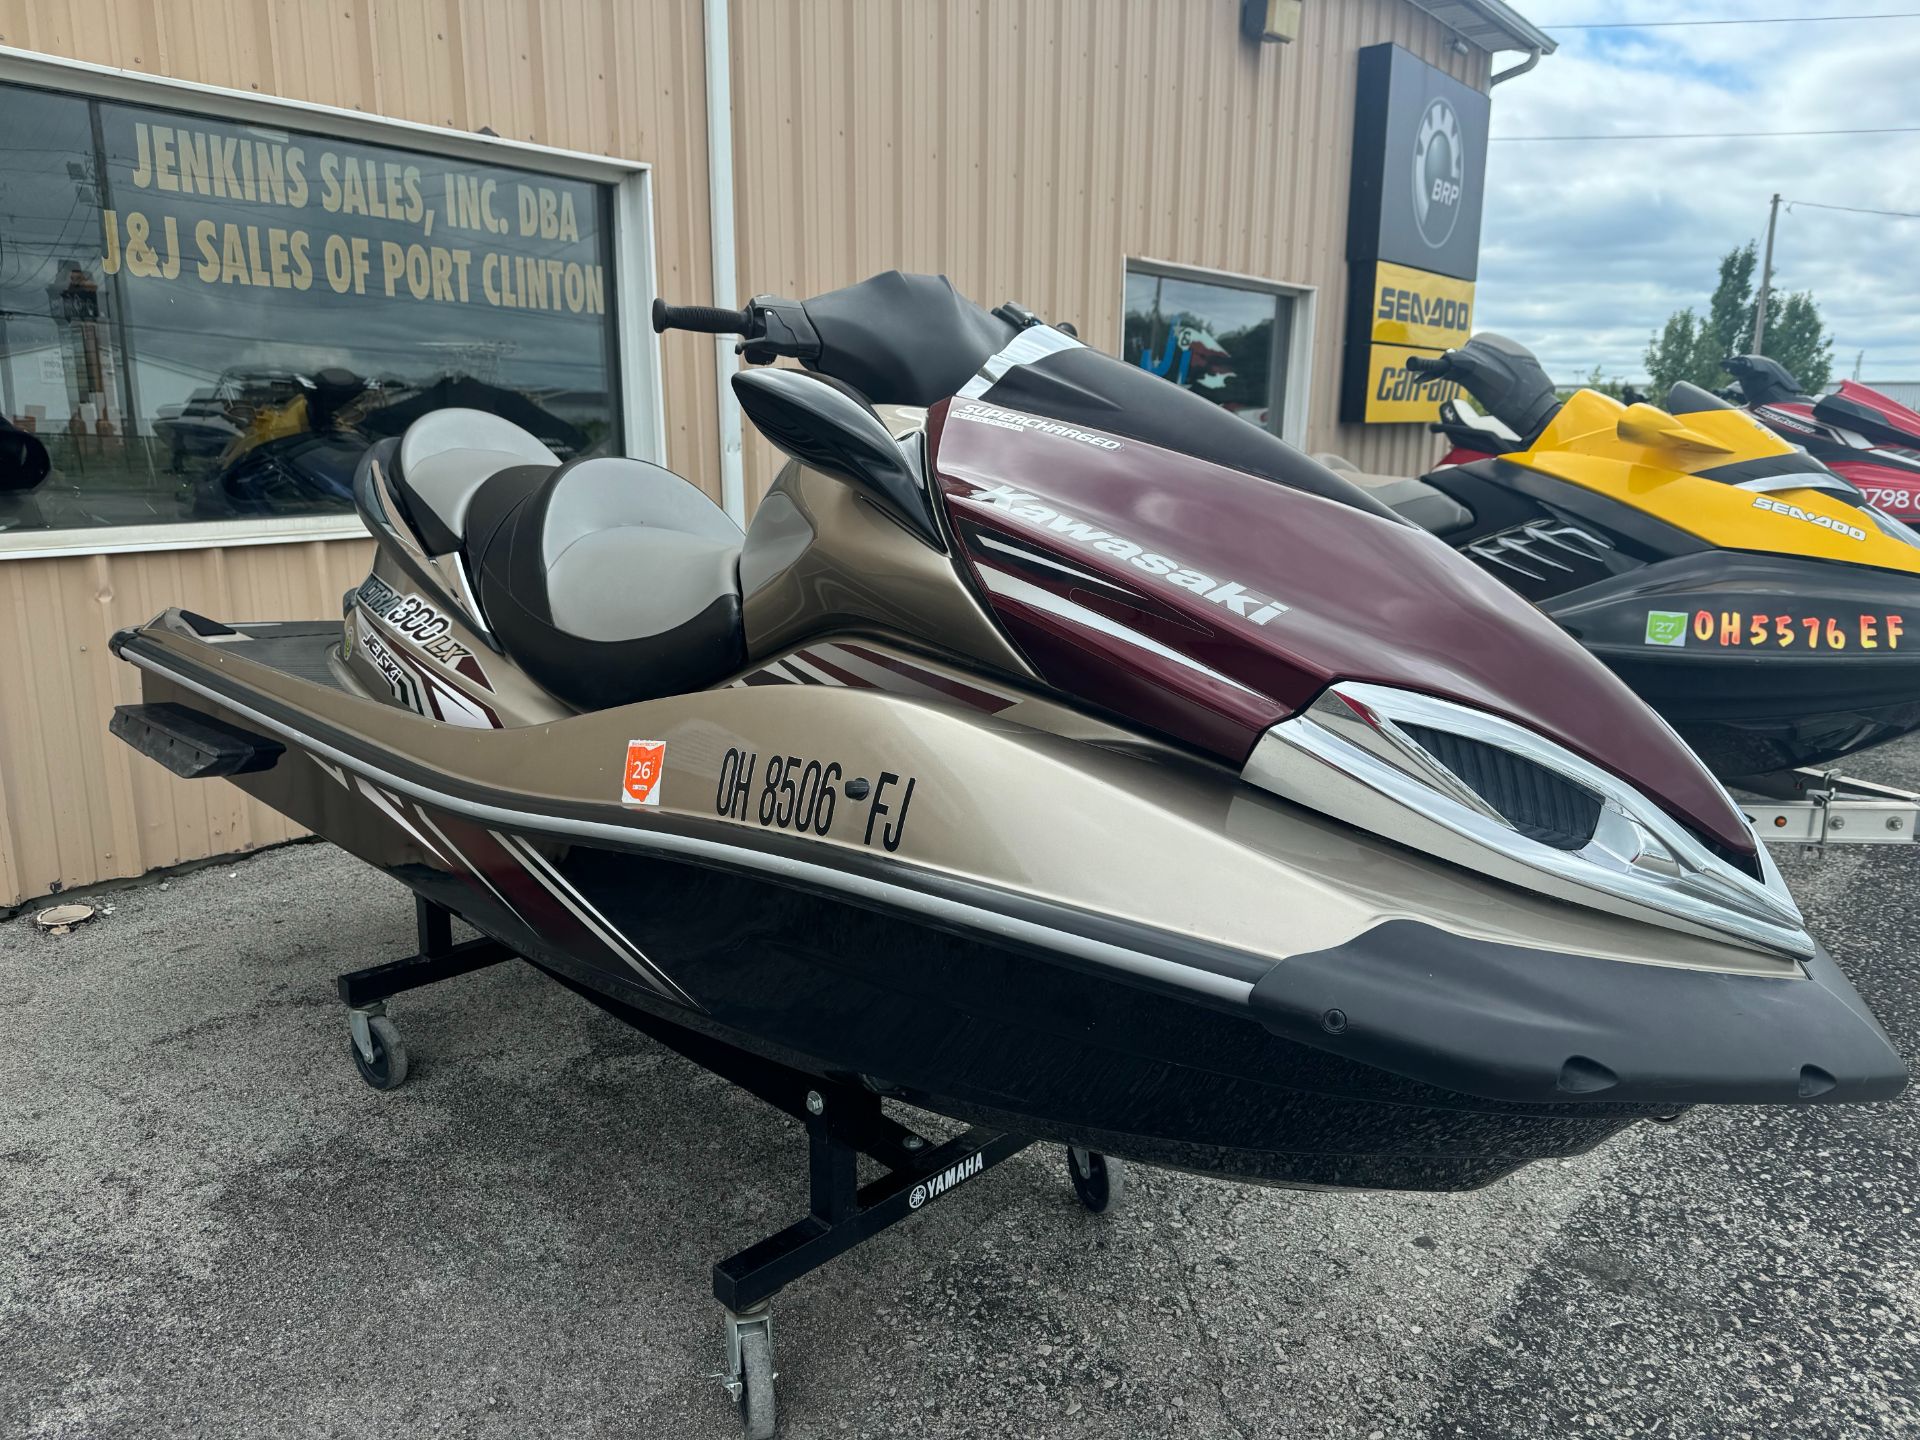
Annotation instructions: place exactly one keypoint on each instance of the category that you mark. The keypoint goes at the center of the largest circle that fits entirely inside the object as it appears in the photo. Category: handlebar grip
(1428, 365)
(705, 319)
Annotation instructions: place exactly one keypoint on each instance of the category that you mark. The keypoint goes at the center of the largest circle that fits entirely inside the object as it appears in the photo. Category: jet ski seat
(1415, 500)
(608, 580)
(443, 459)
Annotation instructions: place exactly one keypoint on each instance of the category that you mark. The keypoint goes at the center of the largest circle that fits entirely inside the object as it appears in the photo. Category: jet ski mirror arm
(828, 426)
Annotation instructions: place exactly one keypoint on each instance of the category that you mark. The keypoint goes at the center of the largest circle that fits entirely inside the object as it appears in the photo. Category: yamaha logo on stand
(1439, 173)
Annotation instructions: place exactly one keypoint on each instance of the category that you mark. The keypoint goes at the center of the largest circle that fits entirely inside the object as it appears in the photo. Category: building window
(202, 319)
(1229, 342)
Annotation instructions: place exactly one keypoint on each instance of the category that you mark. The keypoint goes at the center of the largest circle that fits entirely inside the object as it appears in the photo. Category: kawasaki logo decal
(1231, 595)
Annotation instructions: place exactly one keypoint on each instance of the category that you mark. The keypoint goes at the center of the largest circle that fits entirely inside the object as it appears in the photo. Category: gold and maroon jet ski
(1033, 757)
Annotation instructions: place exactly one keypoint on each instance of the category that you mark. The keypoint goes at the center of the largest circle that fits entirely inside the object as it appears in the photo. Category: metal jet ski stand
(843, 1119)
(1824, 807)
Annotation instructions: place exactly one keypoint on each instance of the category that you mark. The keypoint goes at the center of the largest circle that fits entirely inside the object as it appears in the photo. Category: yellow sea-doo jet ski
(1757, 600)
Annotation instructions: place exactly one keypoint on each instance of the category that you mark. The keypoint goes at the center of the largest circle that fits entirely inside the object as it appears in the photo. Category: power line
(1707, 135)
(1743, 20)
(1853, 209)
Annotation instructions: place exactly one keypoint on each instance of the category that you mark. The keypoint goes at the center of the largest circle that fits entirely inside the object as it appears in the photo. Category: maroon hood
(1210, 604)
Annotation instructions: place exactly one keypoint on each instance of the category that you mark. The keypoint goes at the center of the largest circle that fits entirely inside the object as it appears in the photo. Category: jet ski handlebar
(706, 319)
(1503, 377)
(768, 326)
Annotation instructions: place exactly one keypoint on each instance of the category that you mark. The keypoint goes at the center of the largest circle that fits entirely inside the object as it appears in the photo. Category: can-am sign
(1413, 231)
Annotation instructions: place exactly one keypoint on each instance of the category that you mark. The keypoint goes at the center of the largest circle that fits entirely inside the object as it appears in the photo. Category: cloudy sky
(1587, 247)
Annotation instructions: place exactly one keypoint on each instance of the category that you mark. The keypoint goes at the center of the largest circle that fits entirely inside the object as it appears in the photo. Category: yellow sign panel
(1412, 307)
(1397, 396)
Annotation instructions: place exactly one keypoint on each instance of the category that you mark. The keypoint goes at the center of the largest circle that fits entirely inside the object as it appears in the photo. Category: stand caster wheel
(1096, 1180)
(749, 1375)
(758, 1416)
(376, 1050)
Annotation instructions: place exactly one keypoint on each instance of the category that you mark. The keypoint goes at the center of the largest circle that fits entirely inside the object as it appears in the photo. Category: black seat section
(607, 580)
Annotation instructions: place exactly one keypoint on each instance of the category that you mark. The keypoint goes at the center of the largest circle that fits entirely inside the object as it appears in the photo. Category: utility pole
(1766, 283)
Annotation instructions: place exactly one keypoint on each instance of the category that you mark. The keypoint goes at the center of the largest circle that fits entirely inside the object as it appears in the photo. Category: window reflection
(1226, 343)
(203, 321)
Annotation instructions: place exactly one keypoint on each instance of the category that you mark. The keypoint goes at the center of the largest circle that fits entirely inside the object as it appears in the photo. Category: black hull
(1749, 716)
(1020, 1041)
(1762, 662)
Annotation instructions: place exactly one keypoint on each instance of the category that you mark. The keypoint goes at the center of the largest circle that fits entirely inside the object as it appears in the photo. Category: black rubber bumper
(1506, 1023)
(192, 745)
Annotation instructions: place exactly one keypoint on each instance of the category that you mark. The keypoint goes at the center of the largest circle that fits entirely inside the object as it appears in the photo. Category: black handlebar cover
(704, 319)
(1428, 364)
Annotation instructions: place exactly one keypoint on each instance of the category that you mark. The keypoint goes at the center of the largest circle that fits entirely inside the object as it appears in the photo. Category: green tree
(1596, 380)
(1693, 347)
(1729, 325)
(1671, 355)
(1795, 338)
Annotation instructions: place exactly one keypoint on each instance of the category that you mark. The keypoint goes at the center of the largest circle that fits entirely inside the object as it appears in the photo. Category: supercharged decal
(424, 626)
(982, 414)
(1230, 595)
(1794, 512)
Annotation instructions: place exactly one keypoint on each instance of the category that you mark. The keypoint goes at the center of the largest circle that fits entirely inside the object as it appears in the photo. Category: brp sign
(1439, 174)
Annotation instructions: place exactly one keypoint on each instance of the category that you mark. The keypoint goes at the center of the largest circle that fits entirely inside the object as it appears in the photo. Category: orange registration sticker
(640, 783)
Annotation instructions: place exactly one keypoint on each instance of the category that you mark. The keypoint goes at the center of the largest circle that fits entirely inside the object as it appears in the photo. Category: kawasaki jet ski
(1055, 752)
(1765, 606)
(1856, 432)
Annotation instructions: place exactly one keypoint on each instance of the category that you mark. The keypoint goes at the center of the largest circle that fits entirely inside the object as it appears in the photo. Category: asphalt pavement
(210, 1226)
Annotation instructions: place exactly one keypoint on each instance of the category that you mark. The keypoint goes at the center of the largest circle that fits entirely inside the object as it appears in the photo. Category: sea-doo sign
(1413, 231)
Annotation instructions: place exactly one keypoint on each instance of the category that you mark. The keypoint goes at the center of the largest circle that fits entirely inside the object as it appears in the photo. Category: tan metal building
(231, 232)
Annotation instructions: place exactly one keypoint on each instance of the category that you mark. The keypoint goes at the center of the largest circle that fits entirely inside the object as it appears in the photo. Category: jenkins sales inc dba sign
(1413, 232)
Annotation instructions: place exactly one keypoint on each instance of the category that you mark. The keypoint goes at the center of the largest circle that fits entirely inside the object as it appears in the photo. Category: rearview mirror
(1649, 425)
(833, 430)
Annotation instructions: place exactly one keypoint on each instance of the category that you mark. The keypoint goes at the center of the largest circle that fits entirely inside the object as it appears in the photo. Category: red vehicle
(1856, 432)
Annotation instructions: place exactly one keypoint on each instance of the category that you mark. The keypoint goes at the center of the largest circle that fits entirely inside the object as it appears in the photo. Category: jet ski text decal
(1032, 424)
(414, 618)
(1794, 512)
(800, 794)
(935, 1186)
(1228, 594)
(1752, 630)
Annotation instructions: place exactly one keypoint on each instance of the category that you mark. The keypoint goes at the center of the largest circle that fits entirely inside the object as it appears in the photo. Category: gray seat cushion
(610, 580)
(445, 457)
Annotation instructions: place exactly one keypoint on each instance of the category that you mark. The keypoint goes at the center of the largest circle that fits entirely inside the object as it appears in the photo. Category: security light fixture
(1268, 21)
